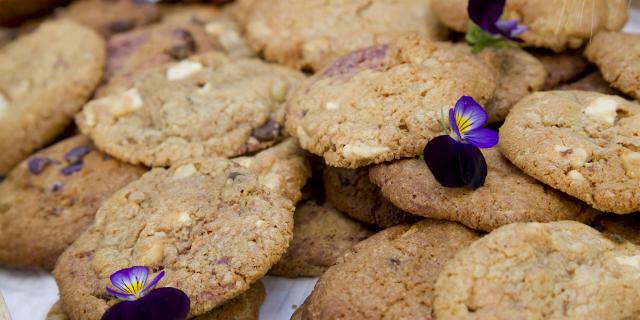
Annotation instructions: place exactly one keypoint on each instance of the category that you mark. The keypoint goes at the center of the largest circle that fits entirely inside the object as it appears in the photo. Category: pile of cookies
(221, 142)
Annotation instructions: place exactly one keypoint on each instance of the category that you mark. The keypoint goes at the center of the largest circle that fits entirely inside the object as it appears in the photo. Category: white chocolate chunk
(575, 175)
(227, 35)
(602, 110)
(206, 88)
(184, 171)
(4, 106)
(303, 137)
(577, 156)
(244, 161)
(184, 218)
(119, 104)
(363, 150)
(271, 181)
(183, 69)
(562, 149)
(632, 261)
(260, 223)
(154, 254)
(279, 90)
(631, 164)
(332, 105)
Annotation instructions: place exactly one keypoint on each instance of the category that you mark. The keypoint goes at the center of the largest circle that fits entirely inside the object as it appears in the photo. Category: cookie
(507, 196)
(557, 25)
(616, 55)
(562, 68)
(45, 77)
(321, 235)
(239, 10)
(383, 102)
(390, 275)
(209, 105)
(13, 12)
(586, 144)
(619, 227)
(591, 82)
(55, 194)
(110, 17)
(245, 307)
(518, 74)
(556, 270)
(184, 31)
(311, 34)
(351, 192)
(208, 223)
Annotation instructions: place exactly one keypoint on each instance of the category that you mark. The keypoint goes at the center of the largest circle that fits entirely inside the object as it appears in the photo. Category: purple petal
(76, 154)
(472, 166)
(130, 280)
(121, 295)
(152, 284)
(485, 13)
(56, 186)
(37, 164)
(160, 304)
(454, 164)
(71, 169)
(510, 29)
(469, 115)
(482, 137)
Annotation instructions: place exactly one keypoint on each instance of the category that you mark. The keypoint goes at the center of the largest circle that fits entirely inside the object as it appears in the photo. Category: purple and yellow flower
(488, 29)
(141, 300)
(455, 158)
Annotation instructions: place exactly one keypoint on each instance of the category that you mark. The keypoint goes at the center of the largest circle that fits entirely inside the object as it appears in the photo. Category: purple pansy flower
(486, 14)
(141, 300)
(454, 158)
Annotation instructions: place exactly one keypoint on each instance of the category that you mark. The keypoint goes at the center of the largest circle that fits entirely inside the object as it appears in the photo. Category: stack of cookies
(219, 143)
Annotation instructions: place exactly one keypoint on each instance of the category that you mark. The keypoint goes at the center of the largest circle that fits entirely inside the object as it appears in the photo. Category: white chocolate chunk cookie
(585, 144)
(215, 230)
(209, 104)
(556, 270)
(617, 55)
(384, 102)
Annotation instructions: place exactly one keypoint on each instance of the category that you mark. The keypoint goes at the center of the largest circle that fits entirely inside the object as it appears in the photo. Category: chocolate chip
(71, 169)
(38, 164)
(106, 157)
(186, 46)
(394, 262)
(224, 260)
(2, 178)
(56, 186)
(120, 26)
(233, 175)
(267, 131)
(76, 154)
(367, 58)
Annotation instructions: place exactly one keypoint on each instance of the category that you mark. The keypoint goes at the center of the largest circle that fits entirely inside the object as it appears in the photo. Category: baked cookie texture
(311, 34)
(586, 144)
(388, 276)
(616, 55)
(350, 191)
(556, 25)
(208, 223)
(383, 102)
(592, 82)
(619, 227)
(206, 105)
(183, 32)
(321, 235)
(553, 270)
(45, 196)
(110, 17)
(45, 77)
(507, 196)
(245, 307)
(562, 68)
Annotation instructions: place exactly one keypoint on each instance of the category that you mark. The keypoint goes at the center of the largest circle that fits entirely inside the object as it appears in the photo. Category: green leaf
(478, 39)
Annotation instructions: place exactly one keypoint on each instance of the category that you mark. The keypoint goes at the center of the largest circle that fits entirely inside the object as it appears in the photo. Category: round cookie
(586, 144)
(210, 104)
(616, 55)
(507, 196)
(208, 223)
(562, 68)
(591, 82)
(619, 227)
(351, 192)
(110, 17)
(518, 74)
(321, 235)
(556, 270)
(45, 77)
(383, 102)
(245, 307)
(557, 25)
(311, 34)
(185, 31)
(390, 275)
(55, 194)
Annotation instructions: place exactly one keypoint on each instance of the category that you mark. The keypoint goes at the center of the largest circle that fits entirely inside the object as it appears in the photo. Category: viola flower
(140, 299)
(488, 29)
(455, 158)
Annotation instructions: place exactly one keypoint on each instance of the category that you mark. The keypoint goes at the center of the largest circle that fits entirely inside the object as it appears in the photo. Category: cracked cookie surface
(617, 55)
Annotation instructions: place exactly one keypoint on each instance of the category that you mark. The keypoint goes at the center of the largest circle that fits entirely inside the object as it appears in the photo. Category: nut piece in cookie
(617, 56)
(587, 145)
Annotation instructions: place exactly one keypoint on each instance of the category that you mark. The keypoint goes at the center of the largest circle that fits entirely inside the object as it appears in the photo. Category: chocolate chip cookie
(209, 104)
(384, 102)
(390, 275)
(311, 34)
(321, 235)
(54, 194)
(553, 270)
(585, 144)
(350, 191)
(616, 54)
(45, 77)
(507, 196)
(208, 223)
